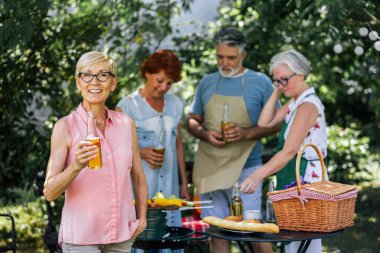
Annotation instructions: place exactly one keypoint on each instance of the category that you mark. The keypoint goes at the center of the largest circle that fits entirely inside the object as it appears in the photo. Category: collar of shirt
(83, 114)
(303, 95)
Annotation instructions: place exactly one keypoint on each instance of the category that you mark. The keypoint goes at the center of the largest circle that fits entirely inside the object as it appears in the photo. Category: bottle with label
(270, 217)
(225, 121)
(95, 163)
(236, 202)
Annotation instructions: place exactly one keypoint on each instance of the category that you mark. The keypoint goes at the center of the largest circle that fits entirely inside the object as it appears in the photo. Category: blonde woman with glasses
(99, 214)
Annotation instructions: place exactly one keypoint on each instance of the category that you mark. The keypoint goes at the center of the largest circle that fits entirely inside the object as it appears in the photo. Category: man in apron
(220, 164)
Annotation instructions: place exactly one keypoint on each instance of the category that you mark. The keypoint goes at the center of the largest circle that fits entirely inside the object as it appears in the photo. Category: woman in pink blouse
(99, 214)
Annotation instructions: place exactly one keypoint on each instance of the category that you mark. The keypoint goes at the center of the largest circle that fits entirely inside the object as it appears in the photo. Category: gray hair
(93, 57)
(294, 60)
(230, 37)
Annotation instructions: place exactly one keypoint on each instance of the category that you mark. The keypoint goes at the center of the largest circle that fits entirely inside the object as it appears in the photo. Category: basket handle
(299, 155)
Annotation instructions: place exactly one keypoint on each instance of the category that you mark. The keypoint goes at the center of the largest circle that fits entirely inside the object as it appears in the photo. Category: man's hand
(214, 138)
(185, 192)
(233, 132)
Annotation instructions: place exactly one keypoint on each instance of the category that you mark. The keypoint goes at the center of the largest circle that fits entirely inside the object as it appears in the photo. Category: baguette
(242, 226)
(252, 221)
(234, 218)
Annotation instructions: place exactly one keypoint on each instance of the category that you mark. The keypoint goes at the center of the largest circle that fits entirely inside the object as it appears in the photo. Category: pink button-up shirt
(98, 203)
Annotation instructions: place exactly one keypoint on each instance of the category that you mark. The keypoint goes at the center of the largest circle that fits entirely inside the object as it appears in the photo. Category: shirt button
(113, 200)
(161, 176)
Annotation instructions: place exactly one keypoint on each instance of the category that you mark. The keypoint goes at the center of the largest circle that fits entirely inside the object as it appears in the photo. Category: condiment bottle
(95, 163)
(236, 202)
(270, 217)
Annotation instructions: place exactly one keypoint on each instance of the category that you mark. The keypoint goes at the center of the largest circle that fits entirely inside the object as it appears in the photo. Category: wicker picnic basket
(321, 207)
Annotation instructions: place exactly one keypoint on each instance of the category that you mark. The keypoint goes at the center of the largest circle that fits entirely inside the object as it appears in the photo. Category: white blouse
(317, 134)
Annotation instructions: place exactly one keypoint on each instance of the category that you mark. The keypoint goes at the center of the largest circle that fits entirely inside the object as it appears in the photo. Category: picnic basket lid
(325, 186)
(330, 188)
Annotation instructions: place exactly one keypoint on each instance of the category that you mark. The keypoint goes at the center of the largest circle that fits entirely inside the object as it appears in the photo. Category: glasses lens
(284, 81)
(103, 76)
(86, 77)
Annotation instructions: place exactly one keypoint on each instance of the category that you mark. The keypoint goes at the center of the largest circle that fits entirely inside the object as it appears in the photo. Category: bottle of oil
(95, 163)
(236, 202)
(225, 121)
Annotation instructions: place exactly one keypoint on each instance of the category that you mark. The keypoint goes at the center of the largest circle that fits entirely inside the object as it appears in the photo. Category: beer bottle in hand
(160, 145)
(95, 163)
(236, 202)
(225, 121)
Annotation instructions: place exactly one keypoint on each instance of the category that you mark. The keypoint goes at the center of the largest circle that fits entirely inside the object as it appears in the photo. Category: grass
(364, 236)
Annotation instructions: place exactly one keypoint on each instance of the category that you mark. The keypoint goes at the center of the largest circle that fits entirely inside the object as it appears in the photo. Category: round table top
(176, 238)
(282, 236)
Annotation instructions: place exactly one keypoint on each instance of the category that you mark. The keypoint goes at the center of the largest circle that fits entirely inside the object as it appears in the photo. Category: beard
(232, 71)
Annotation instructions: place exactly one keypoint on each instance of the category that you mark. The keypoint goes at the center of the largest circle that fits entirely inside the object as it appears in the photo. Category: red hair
(164, 60)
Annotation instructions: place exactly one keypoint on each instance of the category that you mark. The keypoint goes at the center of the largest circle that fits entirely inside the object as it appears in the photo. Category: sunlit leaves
(350, 151)
(327, 32)
(40, 43)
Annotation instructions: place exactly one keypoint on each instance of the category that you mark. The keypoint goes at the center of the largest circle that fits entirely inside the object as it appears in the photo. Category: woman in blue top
(155, 111)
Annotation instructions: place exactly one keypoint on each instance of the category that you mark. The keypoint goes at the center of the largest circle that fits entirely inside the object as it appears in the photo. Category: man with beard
(221, 162)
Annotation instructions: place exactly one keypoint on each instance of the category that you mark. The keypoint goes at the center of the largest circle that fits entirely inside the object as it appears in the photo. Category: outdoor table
(282, 236)
(176, 238)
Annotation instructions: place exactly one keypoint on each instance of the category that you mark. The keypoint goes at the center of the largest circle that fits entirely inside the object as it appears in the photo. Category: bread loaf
(242, 226)
(234, 218)
(252, 221)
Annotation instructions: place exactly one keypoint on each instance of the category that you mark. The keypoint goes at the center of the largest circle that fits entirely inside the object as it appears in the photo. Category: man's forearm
(196, 129)
(257, 132)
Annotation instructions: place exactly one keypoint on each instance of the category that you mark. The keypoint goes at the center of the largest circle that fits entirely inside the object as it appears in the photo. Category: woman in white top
(303, 122)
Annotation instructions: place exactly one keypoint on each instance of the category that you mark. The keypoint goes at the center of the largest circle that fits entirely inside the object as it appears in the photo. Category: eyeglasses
(283, 81)
(102, 76)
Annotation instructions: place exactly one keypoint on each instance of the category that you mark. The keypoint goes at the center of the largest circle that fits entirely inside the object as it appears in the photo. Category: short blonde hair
(93, 57)
(294, 60)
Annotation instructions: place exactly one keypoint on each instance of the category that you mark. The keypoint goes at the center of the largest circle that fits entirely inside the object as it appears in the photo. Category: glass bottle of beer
(225, 121)
(236, 202)
(95, 163)
(160, 144)
(269, 206)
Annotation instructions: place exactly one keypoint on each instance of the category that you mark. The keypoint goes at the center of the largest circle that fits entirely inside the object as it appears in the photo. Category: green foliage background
(41, 40)
(40, 43)
(346, 83)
